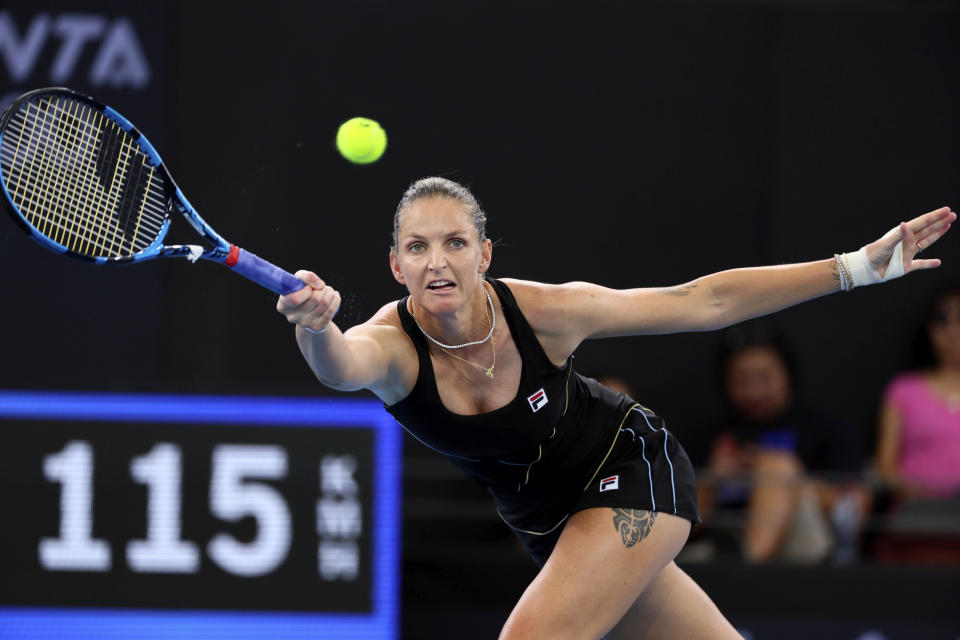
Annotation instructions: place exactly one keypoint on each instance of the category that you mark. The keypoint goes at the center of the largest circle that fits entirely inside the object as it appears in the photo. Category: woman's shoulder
(391, 349)
(385, 327)
(539, 302)
(559, 310)
(387, 313)
(385, 322)
(540, 295)
(518, 286)
(904, 384)
(534, 286)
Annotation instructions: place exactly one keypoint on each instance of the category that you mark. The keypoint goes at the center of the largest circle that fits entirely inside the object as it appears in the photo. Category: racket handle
(262, 272)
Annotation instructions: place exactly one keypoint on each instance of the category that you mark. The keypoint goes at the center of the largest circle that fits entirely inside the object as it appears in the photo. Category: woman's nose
(437, 260)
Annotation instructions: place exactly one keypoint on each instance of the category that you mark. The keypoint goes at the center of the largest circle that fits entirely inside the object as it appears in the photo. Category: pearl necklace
(492, 316)
(493, 323)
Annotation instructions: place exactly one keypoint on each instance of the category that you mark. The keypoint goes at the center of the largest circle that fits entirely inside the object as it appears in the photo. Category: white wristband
(316, 333)
(862, 273)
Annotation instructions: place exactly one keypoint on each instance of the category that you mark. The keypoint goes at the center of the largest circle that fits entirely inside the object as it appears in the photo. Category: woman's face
(439, 257)
(944, 331)
(758, 384)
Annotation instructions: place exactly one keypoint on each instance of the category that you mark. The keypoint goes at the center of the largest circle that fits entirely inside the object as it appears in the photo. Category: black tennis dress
(565, 442)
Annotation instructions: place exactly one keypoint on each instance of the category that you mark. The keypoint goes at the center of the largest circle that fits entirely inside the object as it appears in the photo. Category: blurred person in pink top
(918, 445)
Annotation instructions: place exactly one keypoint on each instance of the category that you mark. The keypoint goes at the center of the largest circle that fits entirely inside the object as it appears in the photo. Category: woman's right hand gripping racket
(83, 181)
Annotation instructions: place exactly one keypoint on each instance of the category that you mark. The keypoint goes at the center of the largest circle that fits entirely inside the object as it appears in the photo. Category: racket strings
(81, 180)
(119, 158)
(76, 221)
(39, 208)
(66, 218)
(35, 199)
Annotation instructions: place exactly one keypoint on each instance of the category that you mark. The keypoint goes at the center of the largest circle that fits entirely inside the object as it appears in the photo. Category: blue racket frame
(218, 249)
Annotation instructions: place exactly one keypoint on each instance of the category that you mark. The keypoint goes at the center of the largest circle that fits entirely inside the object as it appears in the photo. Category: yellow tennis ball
(361, 140)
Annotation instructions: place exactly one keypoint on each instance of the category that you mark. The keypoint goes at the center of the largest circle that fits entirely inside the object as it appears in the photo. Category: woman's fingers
(916, 235)
(313, 306)
(320, 309)
(293, 301)
(920, 223)
(930, 235)
(310, 278)
(922, 233)
(909, 240)
(927, 263)
(332, 307)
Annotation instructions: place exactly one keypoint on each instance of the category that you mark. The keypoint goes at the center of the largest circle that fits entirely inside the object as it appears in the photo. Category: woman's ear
(395, 268)
(486, 255)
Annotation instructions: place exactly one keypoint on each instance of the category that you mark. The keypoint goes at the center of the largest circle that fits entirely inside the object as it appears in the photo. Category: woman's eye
(416, 246)
(456, 243)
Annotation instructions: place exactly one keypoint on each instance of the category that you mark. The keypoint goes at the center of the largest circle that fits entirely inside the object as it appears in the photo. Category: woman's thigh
(673, 606)
(601, 564)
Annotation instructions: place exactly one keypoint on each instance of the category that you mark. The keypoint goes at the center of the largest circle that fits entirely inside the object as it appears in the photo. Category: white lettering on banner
(339, 560)
(18, 55)
(339, 519)
(119, 62)
(74, 31)
(336, 475)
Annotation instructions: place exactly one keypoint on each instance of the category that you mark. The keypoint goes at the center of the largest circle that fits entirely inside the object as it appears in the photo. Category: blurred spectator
(781, 481)
(918, 443)
(617, 383)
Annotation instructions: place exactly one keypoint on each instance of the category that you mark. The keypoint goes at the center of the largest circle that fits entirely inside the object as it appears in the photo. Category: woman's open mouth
(441, 285)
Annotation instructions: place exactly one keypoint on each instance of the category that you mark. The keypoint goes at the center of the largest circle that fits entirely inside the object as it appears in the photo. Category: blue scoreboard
(168, 516)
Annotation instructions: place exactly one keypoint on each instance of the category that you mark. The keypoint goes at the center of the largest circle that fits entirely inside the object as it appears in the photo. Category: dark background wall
(625, 143)
(630, 144)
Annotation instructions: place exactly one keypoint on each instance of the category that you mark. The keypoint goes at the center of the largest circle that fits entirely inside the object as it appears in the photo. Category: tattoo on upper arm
(680, 290)
(633, 524)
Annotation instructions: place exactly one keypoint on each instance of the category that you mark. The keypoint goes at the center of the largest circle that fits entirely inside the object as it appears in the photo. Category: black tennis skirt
(645, 468)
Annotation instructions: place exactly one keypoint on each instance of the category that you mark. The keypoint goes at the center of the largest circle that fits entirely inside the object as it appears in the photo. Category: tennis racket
(83, 181)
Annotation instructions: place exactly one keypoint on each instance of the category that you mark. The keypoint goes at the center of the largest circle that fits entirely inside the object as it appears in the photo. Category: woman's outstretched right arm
(367, 356)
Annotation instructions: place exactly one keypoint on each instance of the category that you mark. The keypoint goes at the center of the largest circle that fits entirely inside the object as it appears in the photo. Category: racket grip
(262, 272)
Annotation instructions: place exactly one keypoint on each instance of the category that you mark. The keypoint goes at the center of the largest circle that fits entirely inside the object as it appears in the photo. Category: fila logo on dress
(609, 484)
(537, 400)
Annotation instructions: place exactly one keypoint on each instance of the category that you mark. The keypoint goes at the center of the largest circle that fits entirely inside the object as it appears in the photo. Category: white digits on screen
(75, 549)
(231, 498)
(163, 551)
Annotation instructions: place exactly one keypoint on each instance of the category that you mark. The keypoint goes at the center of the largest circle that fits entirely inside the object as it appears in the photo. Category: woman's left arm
(582, 310)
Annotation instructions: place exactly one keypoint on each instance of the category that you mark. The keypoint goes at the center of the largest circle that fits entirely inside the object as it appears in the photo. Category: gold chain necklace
(487, 370)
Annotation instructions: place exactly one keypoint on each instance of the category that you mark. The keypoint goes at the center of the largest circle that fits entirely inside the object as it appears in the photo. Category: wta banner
(151, 516)
(110, 49)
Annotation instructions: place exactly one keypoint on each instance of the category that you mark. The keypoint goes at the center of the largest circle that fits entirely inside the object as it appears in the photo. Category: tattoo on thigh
(633, 524)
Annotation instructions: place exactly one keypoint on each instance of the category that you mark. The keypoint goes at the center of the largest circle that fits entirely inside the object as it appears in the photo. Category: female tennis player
(599, 492)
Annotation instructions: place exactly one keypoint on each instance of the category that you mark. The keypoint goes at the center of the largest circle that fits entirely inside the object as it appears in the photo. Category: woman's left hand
(917, 235)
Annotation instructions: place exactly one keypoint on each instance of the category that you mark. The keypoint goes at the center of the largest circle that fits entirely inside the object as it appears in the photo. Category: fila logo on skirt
(609, 484)
(537, 400)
